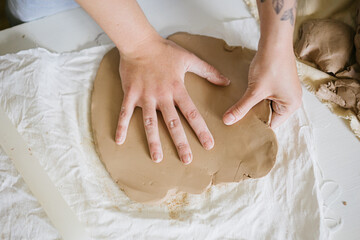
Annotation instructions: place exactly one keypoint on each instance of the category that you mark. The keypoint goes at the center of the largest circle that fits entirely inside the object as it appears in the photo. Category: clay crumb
(229, 48)
(23, 36)
(176, 205)
(29, 149)
(12, 149)
(247, 175)
(344, 203)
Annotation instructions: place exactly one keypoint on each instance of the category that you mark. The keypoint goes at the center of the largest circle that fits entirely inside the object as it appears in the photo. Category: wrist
(276, 46)
(132, 49)
(276, 41)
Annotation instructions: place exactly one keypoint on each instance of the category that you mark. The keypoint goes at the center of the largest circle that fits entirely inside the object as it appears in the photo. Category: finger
(207, 71)
(242, 107)
(195, 119)
(125, 114)
(152, 131)
(177, 133)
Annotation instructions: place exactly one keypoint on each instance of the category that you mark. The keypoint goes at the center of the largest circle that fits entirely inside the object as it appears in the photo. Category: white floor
(337, 148)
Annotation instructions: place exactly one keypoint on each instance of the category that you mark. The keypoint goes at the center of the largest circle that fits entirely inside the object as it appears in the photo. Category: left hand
(273, 76)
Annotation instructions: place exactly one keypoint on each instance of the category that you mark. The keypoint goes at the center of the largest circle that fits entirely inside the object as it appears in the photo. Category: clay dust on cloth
(47, 97)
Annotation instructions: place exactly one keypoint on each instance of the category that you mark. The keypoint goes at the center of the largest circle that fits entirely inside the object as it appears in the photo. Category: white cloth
(47, 97)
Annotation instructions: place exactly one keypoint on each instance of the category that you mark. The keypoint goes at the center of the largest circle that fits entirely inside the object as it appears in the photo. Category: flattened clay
(326, 43)
(245, 150)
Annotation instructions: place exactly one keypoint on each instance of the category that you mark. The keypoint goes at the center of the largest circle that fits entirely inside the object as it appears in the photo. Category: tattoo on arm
(277, 5)
(289, 14)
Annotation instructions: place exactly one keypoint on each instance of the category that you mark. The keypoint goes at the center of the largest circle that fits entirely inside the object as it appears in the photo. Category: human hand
(153, 79)
(273, 76)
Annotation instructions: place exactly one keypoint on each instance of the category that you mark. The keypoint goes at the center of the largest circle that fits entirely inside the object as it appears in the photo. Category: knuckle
(181, 146)
(209, 68)
(149, 123)
(236, 111)
(173, 123)
(120, 128)
(154, 146)
(176, 85)
(130, 90)
(209, 71)
(122, 113)
(192, 114)
(165, 103)
(204, 136)
(161, 91)
(180, 90)
(163, 99)
(147, 101)
(146, 98)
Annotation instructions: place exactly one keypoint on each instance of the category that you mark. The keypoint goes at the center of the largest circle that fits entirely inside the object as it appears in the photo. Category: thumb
(242, 107)
(207, 71)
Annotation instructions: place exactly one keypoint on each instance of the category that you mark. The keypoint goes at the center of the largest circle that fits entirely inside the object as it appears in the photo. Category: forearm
(277, 19)
(122, 20)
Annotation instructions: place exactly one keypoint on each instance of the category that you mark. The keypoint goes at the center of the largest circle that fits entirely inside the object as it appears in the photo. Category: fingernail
(120, 140)
(157, 157)
(208, 144)
(229, 118)
(226, 79)
(186, 158)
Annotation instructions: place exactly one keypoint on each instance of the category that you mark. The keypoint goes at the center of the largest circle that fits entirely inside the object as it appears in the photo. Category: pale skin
(272, 73)
(152, 70)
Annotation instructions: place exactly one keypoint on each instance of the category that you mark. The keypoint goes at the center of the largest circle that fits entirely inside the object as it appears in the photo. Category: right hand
(153, 79)
(273, 78)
